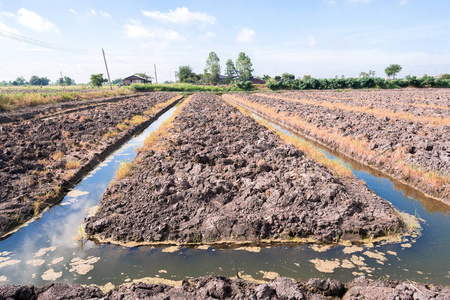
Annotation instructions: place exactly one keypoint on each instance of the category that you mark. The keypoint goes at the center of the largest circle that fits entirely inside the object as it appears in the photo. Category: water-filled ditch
(47, 251)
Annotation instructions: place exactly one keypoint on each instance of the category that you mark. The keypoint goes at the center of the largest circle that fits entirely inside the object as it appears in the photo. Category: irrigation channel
(47, 251)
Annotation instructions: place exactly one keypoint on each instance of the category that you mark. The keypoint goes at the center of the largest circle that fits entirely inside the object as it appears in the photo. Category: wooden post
(62, 81)
(107, 72)
(156, 76)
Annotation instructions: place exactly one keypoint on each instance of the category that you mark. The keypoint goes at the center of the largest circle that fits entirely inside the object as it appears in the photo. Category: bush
(244, 85)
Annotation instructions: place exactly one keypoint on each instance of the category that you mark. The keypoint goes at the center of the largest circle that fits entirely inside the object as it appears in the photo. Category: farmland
(215, 177)
(44, 156)
(403, 133)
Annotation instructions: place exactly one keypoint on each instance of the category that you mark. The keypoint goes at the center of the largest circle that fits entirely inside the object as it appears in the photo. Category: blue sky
(321, 38)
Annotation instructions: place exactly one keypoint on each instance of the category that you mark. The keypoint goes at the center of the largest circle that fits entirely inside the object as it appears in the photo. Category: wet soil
(41, 159)
(219, 287)
(389, 140)
(217, 175)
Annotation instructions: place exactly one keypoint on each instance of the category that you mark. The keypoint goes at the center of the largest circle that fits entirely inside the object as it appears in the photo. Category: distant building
(135, 79)
(257, 81)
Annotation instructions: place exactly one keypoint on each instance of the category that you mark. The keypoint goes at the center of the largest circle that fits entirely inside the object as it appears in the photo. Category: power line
(35, 42)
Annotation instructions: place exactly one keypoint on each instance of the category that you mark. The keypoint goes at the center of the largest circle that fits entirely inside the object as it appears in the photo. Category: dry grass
(151, 141)
(110, 134)
(377, 112)
(73, 164)
(123, 126)
(136, 120)
(58, 155)
(155, 109)
(433, 182)
(125, 170)
(17, 100)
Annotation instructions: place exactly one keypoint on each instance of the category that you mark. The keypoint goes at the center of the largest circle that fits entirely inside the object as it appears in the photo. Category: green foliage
(97, 80)
(19, 81)
(212, 70)
(392, 70)
(66, 81)
(244, 67)
(306, 77)
(244, 85)
(117, 81)
(445, 76)
(186, 75)
(231, 71)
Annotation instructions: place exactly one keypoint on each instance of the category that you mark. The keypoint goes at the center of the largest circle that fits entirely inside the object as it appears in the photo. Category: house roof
(134, 77)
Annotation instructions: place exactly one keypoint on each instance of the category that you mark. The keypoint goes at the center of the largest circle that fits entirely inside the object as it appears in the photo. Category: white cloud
(208, 35)
(180, 15)
(34, 21)
(7, 14)
(245, 34)
(329, 2)
(105, 14)
(403, 2)
(92, 12)
(74, 11)
(5, 27)
(137, 31)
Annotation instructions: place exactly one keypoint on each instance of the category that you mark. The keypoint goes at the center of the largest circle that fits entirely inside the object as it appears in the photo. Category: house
(134, 79)
(257, 81)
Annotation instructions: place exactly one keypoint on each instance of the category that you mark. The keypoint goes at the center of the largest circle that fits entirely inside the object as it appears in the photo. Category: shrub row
(358, 83)
(187, 87)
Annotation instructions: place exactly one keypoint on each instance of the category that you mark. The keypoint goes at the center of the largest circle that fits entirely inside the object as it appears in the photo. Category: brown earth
(217, 175)
(219, 287)
(40, 159)
(408, 150)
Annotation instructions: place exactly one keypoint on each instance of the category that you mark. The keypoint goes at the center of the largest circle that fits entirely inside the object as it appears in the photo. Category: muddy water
(46, 250)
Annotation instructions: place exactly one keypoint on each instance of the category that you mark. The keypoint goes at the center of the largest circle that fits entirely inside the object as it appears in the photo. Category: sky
(321, 38)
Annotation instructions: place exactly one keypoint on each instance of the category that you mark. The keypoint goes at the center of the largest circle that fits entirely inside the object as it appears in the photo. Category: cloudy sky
(322, 38)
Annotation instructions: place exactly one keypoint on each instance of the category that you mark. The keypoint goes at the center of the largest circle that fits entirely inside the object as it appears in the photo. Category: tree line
(239, 71)
(36, 80)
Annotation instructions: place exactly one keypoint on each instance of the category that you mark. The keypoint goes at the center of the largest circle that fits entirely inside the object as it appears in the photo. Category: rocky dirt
(218, 287)
(40, 159)
(419, 102)
(217, 175)
(390, 143)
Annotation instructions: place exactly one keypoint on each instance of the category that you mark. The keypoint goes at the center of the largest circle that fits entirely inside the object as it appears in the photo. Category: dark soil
(419, 102)
(218, 287)
(217, 175)
(419, 145)
(35, 155)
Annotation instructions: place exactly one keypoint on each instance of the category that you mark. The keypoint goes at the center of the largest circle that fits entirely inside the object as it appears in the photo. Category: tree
(392, 70)
(68, 81)
(20, 81)
(145, 76)
(117, 81)
(445, 76)
(308, 77)
(244, 67)
(186, 75)
(368, 74)
(212, 69)
(287, 78)
(230, 71)
(266, 77)
(97, 80)
(35, 80)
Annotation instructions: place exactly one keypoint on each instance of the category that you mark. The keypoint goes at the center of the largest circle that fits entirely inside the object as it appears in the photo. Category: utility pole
(62, 81)
(156, 76)
(107, 72)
